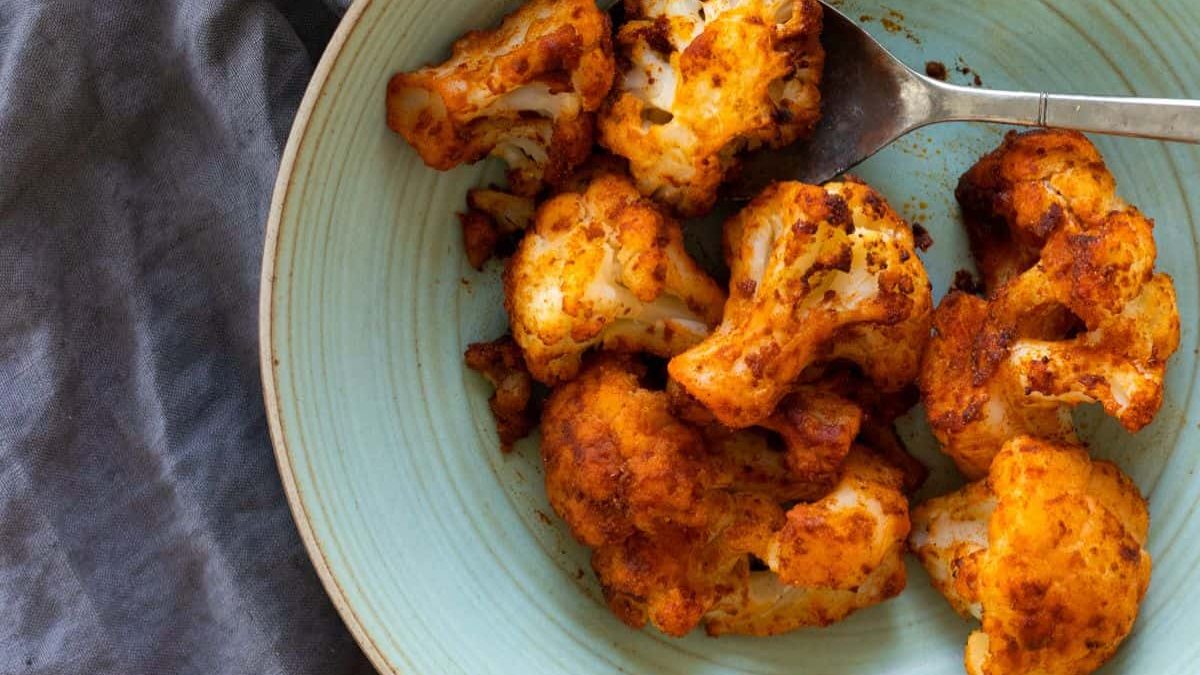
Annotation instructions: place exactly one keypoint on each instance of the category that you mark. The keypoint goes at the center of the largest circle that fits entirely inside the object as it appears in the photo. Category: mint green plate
(444, 557)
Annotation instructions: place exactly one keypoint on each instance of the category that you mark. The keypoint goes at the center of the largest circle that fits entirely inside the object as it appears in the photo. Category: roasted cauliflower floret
(1077, 313)
(675, 513)
(493, 217)
(818, 427)
(809, 266)
(524, 92)
(831, 557)
(973, 421)
(512, 404)
(1047, 552)
(605, 268)
(640, 488)
(1013, 198)
(617, 461)
(704, 80)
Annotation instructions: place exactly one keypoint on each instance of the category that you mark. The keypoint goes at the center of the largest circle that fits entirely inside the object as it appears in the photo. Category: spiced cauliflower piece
(640, 488)
(973, 421)
(493, 217)
(811, 267)
(675, 514)
(1077, 313)
(525, 91)
(605, 268)
(836, 555)
(1047, 553)
(511, 213)
(818, 427)
(512, 403)
(704, 80)
(1013, 198)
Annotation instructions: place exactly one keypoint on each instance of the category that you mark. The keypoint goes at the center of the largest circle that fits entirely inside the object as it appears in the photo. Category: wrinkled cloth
(143, 526)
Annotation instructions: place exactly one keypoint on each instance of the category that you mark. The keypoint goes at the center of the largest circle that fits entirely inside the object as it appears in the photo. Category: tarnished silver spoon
(871, 99)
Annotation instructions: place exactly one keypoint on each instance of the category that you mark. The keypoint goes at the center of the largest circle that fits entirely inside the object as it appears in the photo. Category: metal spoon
(873, 99)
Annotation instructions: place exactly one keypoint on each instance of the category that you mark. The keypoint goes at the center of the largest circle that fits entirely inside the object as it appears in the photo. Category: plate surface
(444, 557)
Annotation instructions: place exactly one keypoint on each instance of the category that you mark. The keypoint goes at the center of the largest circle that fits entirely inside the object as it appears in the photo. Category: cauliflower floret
(493, 217)
(512, 404)
(640, 487)
(1013, 357)
(617, 461)
(818, 427)
(675, 514)
(511, 213)
(704, 80)
(1047, 552)
(831, 557)
(605, 268)
(973, 421)
(524, 91)
(809, 266)
(948, 533)
(1013, 198)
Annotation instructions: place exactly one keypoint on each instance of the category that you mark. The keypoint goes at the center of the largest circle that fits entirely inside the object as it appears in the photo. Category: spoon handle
(1158, 118)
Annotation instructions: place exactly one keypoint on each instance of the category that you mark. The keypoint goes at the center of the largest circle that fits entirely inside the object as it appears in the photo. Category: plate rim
(268, 362)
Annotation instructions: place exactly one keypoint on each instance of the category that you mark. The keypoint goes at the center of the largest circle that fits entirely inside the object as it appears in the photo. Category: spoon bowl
(871, 98)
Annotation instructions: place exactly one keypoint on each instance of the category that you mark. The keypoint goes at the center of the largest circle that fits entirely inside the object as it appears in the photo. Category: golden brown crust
(699, 85)
(816, 274)
(825, 544)
(525, 91)
(1059, 250)
(605, 268)
(1059, 576)
(1063, 577)
(512, 404)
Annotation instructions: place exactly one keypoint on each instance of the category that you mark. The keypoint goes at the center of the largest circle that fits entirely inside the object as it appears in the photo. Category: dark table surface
(143, 527)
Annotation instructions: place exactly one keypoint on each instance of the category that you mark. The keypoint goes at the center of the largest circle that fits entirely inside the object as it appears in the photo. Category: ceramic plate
(443, 556)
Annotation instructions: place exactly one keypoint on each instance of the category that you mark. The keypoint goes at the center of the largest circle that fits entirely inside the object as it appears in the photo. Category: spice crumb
(921, 237)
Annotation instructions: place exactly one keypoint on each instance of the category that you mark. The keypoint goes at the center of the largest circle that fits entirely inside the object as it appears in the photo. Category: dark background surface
(143, 527)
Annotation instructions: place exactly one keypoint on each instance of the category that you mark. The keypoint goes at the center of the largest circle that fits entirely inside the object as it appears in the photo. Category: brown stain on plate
(892, 21)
